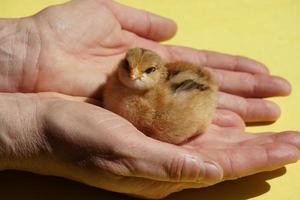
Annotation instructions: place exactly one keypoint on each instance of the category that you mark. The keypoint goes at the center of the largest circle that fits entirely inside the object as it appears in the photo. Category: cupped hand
(74, 47)
(86, 143)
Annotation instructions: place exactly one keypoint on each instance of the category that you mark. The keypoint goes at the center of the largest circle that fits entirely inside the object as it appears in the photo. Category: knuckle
(184, 168)
(176, 168)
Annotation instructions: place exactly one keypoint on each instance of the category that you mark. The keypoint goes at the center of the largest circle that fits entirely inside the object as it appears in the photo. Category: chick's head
(142, 69)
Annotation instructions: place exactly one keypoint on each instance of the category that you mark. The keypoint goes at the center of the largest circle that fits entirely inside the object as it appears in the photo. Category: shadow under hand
(240, 189)
(250, 124)
(15, 185)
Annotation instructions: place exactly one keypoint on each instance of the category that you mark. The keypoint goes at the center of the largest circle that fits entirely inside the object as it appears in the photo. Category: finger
(250, 160)
(242, 82)
(69, 98)
(217, 138)
(289, 137)
(143, 23)
(251, 85)
(165, 162)
(251, 110)
(215, 60)
(226, 118)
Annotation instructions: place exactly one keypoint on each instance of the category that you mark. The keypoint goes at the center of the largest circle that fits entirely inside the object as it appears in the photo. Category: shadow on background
(16, 185)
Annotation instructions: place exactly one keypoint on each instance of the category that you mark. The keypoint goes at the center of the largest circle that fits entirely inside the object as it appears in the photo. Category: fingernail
(274, 110)
(212, 173)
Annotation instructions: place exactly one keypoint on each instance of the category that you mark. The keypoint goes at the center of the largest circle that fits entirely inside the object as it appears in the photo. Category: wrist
(21, 137)
(20, 48)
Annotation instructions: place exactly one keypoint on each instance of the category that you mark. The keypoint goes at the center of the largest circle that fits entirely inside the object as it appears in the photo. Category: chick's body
(179, 103)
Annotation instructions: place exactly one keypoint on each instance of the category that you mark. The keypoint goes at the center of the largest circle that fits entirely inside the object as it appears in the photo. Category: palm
(86, 47)
(89, 45)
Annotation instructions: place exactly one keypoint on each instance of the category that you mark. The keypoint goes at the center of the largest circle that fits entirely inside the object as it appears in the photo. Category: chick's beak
(134, 75)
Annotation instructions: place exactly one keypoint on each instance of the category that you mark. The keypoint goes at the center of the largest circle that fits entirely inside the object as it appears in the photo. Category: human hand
(60, 59)
(73, 48)
(64, 136)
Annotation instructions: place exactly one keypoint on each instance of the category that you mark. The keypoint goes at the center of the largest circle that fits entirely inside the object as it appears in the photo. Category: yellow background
(267, 30)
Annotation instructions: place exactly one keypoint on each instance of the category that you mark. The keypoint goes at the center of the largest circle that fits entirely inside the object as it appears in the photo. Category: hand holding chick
(169, 102)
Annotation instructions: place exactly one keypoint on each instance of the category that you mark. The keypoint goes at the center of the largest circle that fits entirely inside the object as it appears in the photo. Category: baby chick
(169, 102)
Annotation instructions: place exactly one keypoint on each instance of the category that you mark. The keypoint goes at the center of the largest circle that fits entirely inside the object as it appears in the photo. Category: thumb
(143, 23)
(166, 162)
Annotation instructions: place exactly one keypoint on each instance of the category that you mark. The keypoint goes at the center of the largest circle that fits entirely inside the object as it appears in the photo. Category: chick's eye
(150, 70)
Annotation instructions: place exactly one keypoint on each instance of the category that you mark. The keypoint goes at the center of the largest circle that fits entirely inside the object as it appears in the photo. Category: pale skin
(61, 57)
